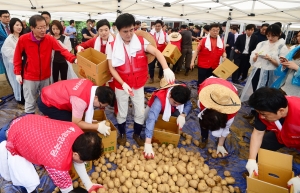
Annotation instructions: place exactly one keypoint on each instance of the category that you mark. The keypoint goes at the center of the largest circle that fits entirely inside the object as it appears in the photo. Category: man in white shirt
(243, 47)
(128, 65)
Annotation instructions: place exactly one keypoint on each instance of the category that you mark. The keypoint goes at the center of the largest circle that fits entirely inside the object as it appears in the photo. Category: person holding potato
(278, 114)
(170, 100)
(219, 103)
(68, 100)
(55, 150)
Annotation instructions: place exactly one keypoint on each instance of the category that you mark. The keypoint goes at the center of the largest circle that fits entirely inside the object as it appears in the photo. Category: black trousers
(53, 112)
(59, 67)
(151, 67)
(242, 61)
(204, 73)
(74, 44)
(204, 132)
(270, 142)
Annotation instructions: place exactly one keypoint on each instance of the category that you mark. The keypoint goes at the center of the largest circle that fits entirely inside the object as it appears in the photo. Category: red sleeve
(18, 57)
(61, 179)
(57, 47)
(88, 44)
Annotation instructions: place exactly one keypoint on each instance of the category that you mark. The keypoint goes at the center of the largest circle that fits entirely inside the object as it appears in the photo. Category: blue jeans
(3, 132)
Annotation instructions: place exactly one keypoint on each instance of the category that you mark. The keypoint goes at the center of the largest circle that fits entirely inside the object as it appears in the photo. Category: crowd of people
(38, 60)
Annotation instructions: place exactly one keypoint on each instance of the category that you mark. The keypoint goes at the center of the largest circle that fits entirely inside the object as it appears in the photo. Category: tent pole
(253, 5)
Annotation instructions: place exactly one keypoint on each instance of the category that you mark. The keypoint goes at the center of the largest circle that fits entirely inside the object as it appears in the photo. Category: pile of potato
(172, 170)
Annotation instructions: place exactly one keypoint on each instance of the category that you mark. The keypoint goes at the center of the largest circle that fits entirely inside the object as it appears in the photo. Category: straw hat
(144, 25)
(164, 84)
(220, 98)
(175, 36)
(150, 39)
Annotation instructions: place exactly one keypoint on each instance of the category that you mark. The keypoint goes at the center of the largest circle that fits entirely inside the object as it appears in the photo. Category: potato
(227, 173)
(128, 184)
(172, 170)
(136, 182)
(183, 190)
(231, 189)
(210, 182)
(108, 165)
(124, 189)
(101, 190)
(112, 158)
(183, 142)
(181, 169)
(133, 174)
(195, 177)
(122, 179)
(158, 180)
(202, 187)
(191, 169)
(185, 158)
(174, 178)
(237, 189)
(154, 185)
(149, 181)
(214, 155)
(188, 141)
(230, 180)
(196, 142)
(126, 174)
(159, 170)
(174, 189)
(99, 180)
(161, 188)
(107, 155)
(140, 174)
(152, 176)
(149, 188)
(103, 168)
(75, 184)
(95, 175)
(181, 181)
(217, 189)
(129, 166)
(193, 183)
(210, 175)
(110, 184)
(205, 170)
(127, 144)
(200, 173)
(160, 150)
(149, 168)
(94, 181)
(117, 182)
(103, 175)
(144, 185)
(166, 168)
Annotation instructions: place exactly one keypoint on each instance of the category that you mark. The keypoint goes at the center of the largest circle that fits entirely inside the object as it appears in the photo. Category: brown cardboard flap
(258, 186)
(275, 159)
(225, 69)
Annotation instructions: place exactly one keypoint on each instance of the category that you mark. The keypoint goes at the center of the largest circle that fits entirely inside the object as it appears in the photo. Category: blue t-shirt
(70, 29)
(85, 31)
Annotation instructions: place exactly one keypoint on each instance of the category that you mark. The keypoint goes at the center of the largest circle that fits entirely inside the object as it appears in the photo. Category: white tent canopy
(195, 11)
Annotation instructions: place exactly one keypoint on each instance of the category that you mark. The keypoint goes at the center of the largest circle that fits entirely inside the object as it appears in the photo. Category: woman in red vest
(209, 51)
(29, 137)
(219, 103)
(279, 114)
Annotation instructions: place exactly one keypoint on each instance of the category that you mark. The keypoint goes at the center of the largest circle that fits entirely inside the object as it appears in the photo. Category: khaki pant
(138, 104)
(31, 89)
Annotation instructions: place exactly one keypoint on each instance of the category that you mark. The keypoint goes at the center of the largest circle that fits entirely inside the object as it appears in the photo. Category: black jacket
(241, 42)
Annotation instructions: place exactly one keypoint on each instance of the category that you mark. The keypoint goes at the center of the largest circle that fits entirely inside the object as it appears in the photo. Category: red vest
(161, 95)
(160, 47)
(209, 59)
(134, 73)
(43, 141)
(290, 132)
(177, 43)
(220, 81)
(58, 94)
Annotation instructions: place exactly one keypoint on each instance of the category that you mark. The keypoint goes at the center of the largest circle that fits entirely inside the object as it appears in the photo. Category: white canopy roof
(195, 11)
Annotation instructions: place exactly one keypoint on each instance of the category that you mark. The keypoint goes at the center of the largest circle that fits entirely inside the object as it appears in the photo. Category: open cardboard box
(109, 142)
(274, 171)
(226, 69)
(171, 53)
(93, 65)
(195, 45)
(166, 132)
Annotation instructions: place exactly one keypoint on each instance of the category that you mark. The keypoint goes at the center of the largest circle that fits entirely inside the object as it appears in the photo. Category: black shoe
(202, 143)
(138, 140)
(121, 140)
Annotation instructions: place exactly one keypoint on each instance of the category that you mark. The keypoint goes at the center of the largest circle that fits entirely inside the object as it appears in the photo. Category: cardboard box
(166, 132)
(195, 45)
(226, 69)
(93, 65)
(73, 173)
(275, 170)
(109, 142)
(171, 53)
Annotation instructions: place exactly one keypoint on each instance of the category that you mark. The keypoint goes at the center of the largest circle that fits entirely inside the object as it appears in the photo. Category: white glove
(169, 75)
(180, 121)
(251, 166)
(81, 171)
(222, 150)
(296, 183)
(79, 49)
(103, 128)
(127, 89)
(148, 151)
(19, 79)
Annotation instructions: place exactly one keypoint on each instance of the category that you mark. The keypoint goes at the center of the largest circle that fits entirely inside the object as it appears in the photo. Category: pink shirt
(78, 106)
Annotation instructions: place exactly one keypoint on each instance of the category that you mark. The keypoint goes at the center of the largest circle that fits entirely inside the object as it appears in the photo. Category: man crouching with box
(35, 139)
(279, 114)
(170, 100)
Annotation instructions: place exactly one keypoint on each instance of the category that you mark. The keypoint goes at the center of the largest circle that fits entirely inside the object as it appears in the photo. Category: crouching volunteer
(68, 100)
(128, 65)
(279, 114)
(55, 150)
(170, 100)
(219, 103)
